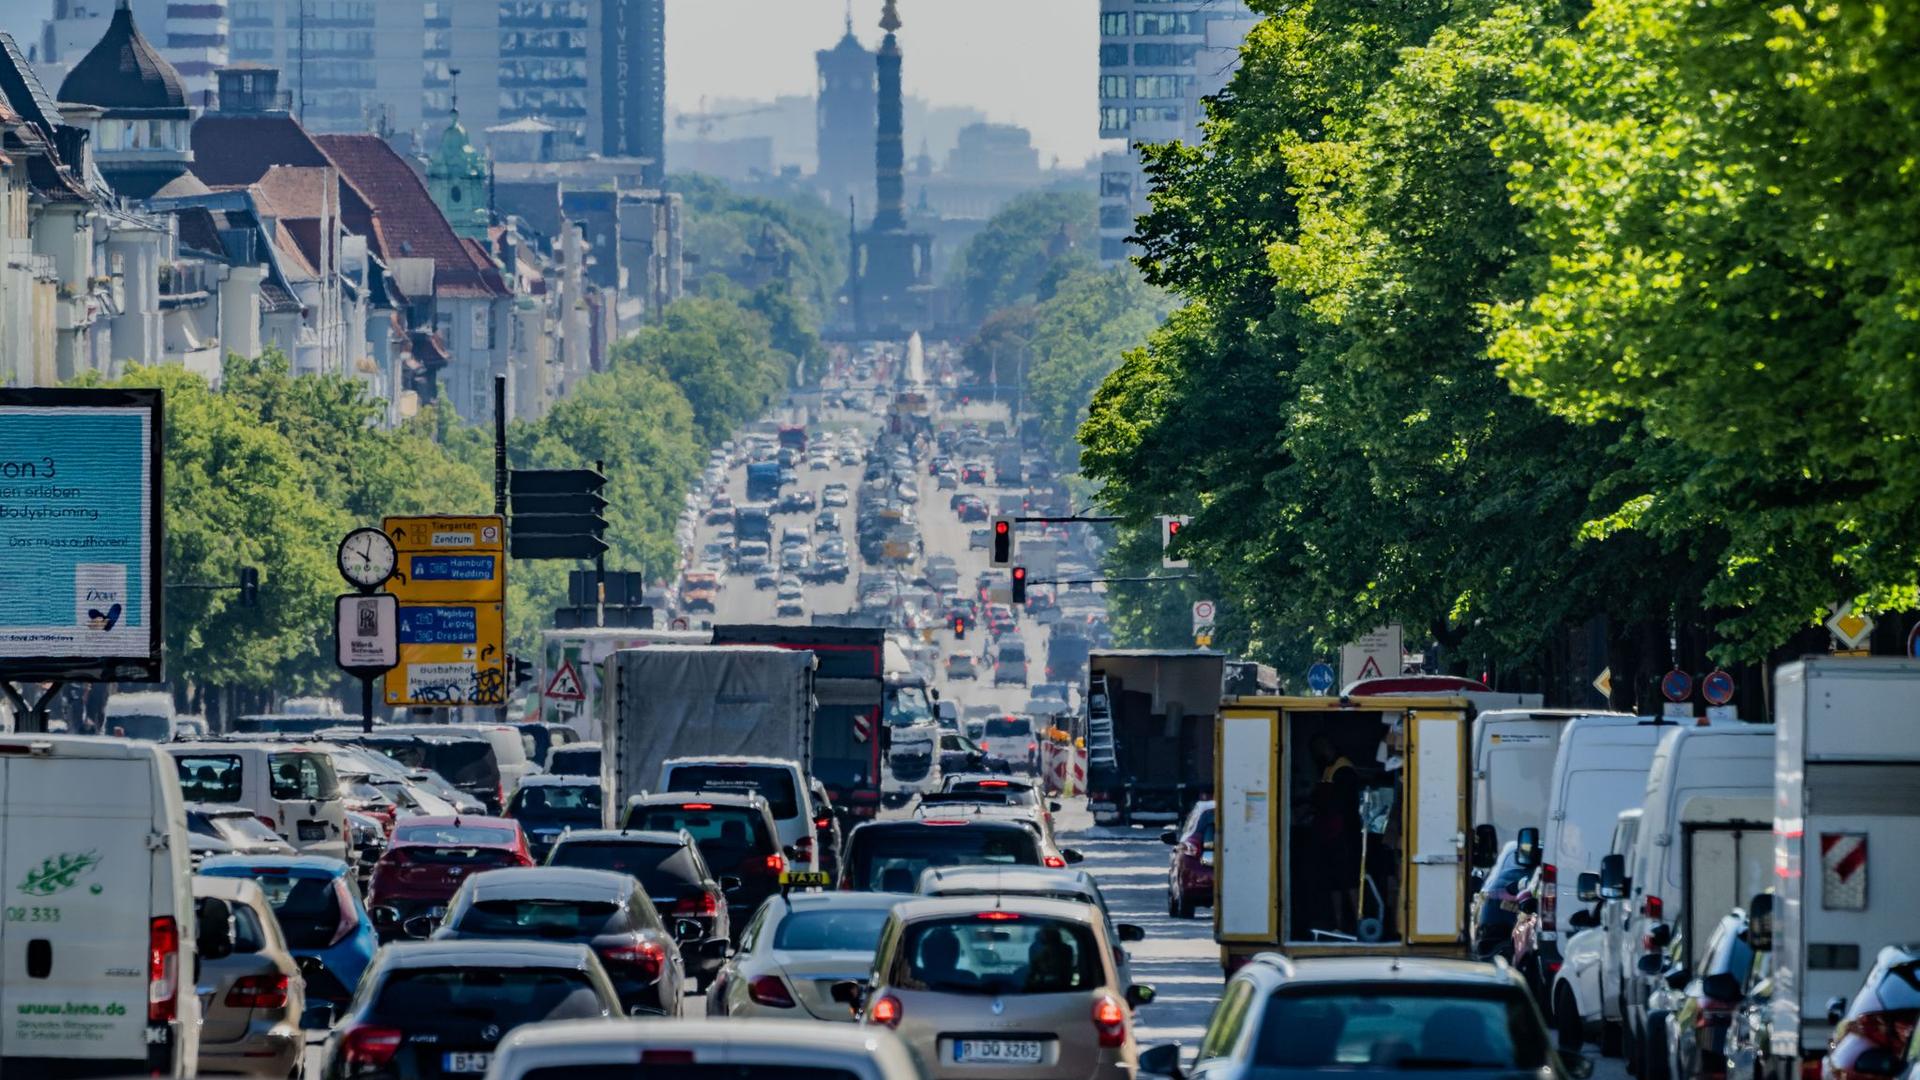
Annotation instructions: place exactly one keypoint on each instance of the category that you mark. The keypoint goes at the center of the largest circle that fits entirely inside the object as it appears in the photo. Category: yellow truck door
(1245, 823)
(1436, 825)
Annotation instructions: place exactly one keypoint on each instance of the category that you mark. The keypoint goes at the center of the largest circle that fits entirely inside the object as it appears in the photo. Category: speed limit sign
(1202, 615)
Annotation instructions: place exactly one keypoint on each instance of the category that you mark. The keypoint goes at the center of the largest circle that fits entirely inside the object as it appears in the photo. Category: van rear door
(77, 872)
(1435, 848)
(1726, 864)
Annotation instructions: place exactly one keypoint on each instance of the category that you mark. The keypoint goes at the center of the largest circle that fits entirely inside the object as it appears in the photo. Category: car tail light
(769, 990)
(1810, 1068)
(1891, 1030)
(823, 823)
(349, 920)
(1549, 897)
(1110, 1021)
(367, 1045)
(645, 956)
(993, 783)
(1054, 862)
(697, 806)
(885, 1010)
(163, 970)
(1652, 908)
(703, 904)
(999, 916)
(268, 822)
(776, 862)
(258, 992)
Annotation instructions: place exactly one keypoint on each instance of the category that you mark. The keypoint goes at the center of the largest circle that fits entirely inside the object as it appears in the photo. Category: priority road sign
(1850, 628)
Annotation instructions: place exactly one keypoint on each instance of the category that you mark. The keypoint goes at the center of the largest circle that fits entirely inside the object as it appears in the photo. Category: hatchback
(252, 996)
(438, 1009)
(1190, 867)
(1059, 884)
(325, 924)
(1021, 984)
(795, 950)
(428, 860)
(735, 834)
(673, 875)
(780, 781)
(889, 856)
(546, 806)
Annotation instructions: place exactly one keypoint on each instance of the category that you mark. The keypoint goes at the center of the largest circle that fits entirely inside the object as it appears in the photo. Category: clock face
(366, 558)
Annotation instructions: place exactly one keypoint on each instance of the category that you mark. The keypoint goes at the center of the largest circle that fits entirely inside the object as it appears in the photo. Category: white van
(98, 944)
(1705, 845)
(147, 714)
(1513, 752)
(291, 788)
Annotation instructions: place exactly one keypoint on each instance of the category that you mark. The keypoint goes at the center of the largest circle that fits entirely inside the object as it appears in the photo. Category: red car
(430, 858)
(1190, 876)
(1872, 1034)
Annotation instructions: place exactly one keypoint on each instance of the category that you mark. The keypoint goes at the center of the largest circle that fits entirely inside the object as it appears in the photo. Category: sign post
(451, 587)
(365, 622)
(1376, 656)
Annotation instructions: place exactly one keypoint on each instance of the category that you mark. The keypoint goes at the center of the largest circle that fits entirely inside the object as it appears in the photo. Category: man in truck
(1334, 825)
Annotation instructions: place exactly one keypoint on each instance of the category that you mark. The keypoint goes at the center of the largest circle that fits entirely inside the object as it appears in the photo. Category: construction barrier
(1063, 768)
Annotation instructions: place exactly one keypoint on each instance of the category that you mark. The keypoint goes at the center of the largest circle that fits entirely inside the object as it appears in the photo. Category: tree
(722, 228)
(1006, 263)
(720, 356)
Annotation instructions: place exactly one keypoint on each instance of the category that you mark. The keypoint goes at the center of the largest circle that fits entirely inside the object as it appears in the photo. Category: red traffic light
(1019, 573)
(1001, 527)
(1019, 585)
(1173, 527)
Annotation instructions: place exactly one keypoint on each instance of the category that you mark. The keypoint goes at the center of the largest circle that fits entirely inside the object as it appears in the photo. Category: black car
(734, 832)
(435, 1009)
(826, 825)
(796, 502)
(691, 900)
(606, 911)
(465, 759)
(1703, 1012)
(580, 759)
(546, 806)
(887, 856)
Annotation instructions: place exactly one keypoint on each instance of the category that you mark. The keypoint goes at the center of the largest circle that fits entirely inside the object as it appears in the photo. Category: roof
(490, 952)
(182, 186)
(550, 882)
(408, 224)
(1338, 969)
(295, 865)
(808, 901)
(479, 820)
(124, 71)
(933, 907)
(928, 826)
(680, 798)
(21, 85)
(819, 1045)
(559, 779)
(625, 836)
(230, 149)
(949, 880)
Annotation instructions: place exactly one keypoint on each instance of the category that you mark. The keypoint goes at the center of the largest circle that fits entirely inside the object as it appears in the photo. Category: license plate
(1009, 1051)
(474, 1062)
(313, 830)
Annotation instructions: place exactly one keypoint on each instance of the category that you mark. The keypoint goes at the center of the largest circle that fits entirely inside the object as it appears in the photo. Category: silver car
(738, 1049)
(251, 997)
(1075, 885)
(795, 949)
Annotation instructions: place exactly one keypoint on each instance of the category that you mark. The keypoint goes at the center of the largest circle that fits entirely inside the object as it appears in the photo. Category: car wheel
(1187, 908)
(1653, 1048)
(1566, 1019)
(1611, 1037)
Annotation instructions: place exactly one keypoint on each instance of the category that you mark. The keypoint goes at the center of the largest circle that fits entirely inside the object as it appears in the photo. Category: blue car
(322, 917)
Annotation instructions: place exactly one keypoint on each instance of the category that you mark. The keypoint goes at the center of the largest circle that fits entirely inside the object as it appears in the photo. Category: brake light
(823, 823)
(370, 1045)
(258, 992)
(1892, 1030)
(163, 970)
(704, 904)
(1110, 1021)
(645, 956)
(940, 821)
(776, 862)
(771, 991)
(885, 1010)
(697, 806)
(267, 821)
(993, 783)
(1652, 908)
(1054, 862)
(998, 916)
(1549, 896)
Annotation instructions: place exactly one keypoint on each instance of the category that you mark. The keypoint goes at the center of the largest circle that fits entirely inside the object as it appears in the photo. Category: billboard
(80, 534)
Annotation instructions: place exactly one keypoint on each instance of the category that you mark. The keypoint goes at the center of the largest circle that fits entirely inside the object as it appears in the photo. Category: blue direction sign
(1677, 685)
(1320, 677)
(1717, 687)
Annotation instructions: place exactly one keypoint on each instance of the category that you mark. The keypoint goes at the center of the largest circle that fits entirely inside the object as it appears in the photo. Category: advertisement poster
(80, 533)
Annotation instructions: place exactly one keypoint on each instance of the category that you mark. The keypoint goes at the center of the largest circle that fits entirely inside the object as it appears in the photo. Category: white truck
(1846, 810)
(672, 701)
(569, 684)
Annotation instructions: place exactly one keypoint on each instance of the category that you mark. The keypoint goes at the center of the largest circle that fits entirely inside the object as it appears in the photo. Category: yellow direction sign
(451, 582)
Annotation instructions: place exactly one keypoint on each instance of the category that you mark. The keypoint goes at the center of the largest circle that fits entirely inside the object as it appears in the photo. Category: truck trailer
(1150, 737)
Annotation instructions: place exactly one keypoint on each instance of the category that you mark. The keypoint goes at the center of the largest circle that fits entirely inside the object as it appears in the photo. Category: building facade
(191, 34)
(847, 115)
(1158, 60)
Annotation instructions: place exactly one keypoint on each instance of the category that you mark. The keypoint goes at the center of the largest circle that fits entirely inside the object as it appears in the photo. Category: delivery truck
(1341, 826)
(848, 686)
(671, 701)
(1846, 809)
(1150, 737)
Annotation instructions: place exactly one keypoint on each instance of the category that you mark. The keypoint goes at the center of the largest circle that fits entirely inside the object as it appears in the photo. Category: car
(818, 463)
(439, 1008)
(790, 607)
(795, 949)
(464, 759)
(889, 856)
(973, 472)
(1061, 884)
(580, 759)
(213, 829)
(959, 753)
(326, 926)
(719, 514)
(826, 826)
(972, 508)
(546, 806)
(828, 521)
(765, 578)
(834, 495)
(782, 782)
(1190, 867)
(1497, 903)
(290, 786)
(605, 910)
(1012, 737)
(1698, 1025)
(1369, 1016)
(1010, 666)
(795, 559)
(961, 666)
(736, 1050)
(735, 833)
(796, 502)
(947, 480)
(1018, 983)
(251, 992)
(676, 878)
(1873, 1033)
(428, 859)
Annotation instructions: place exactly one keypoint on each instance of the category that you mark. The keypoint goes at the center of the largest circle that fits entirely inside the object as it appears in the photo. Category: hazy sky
(1030, 62)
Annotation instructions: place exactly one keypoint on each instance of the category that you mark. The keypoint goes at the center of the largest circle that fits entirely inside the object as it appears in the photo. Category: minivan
(1012, 737)
(98, 966)
(781, 782)
(291, 788)
(146, 714)
(1513, 752)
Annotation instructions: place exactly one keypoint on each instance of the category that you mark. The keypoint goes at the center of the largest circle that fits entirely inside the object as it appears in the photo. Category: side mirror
(1836, 1009)
(715, 948)
(1613, 877)
(1072, 856)
(1760, 922)
(1578, 1066)
(1138, 995)
(1169, 837)
(848, 993)
(1162, 1060)
(420, 927)
(1651, 963)
(1130, 932)
(1486, 846)
(1878, 1061)
(1589, 887)
(386, 920)
(215, 935)
(1659, 936)
(729, 884)
(1582, 920)
(1526, 853)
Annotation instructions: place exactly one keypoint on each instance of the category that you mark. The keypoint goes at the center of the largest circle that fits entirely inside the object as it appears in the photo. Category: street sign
(1202, 615)
(1717, 687)
(1203, 640)
(556, 513)
(554, 482)
(365, 634)
(1913, 640)
(1850, 628)
(1377, 655)
(565, 684)
(451, 624)
(1677, 710)
(1320, 677)
(1677, 685)
(1603, 682)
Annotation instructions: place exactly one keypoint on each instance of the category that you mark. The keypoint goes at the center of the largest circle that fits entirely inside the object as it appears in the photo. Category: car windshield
(140, 726)
(302, 775)
(213, 778)
(724, 833)
(891, 859)
(1001, 953)
(1443, 1028)
(774, 783)
(565, 804)
(308, 908)
(428, 999)
(451, 834)
(539, 918)
(663, 870)
(571, 761)
(831, 930)
(907, 705)
(1009, 726)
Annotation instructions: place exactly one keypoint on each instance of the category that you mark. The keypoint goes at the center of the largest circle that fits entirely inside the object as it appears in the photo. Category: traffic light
(521, 670)
(1019, 584)
(249, 587)
(959, 628)
(1002, 541)
(556, 514)
(1170, 526)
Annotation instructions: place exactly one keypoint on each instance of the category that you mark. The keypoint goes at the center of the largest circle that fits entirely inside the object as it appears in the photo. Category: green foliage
(722, 228)
(1008, 262)
(721, 357)
(1078, 336)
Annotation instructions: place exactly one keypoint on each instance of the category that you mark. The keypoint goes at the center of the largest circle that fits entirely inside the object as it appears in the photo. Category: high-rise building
(847, 113)
(631, 83)
(1157, 61)
(190, 34)
(349, 65)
